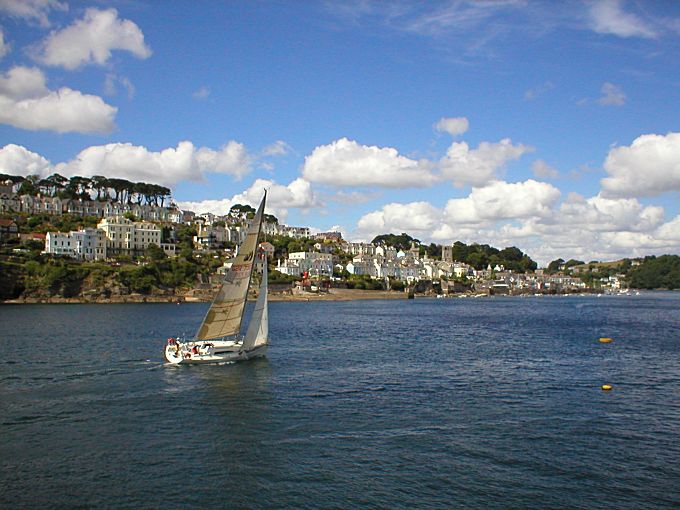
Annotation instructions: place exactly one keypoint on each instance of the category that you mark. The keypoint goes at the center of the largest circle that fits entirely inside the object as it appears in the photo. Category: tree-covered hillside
(480, 256)
(657, 273)
(402, 241)
(84, 188)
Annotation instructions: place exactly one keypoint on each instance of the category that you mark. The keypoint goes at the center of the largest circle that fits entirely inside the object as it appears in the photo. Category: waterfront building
(128, 237)
(362, 265)
(358, 248)
(60, 243)
(310, 262)
(86, 244)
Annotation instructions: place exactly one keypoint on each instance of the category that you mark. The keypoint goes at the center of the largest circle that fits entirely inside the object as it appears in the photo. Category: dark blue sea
(452, 403)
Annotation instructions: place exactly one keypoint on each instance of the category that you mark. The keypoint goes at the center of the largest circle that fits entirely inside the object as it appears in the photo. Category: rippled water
(369, 404)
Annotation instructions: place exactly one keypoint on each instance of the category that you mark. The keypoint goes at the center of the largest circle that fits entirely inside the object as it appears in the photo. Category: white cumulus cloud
(502, 200)
(137, 163)
(452, 125)
(607, 17)
(167, 167)
(346, 163)
(463, 165)
(232, 159)
(531, 216)
(27, 103)
(298, 194)
(91, 40)
(416, 218)
(594, 228)
(18, 160)
(605, 214)
(648, 167)
(669, 231)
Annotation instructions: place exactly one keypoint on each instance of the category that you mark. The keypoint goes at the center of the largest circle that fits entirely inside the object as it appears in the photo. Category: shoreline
(335, 295)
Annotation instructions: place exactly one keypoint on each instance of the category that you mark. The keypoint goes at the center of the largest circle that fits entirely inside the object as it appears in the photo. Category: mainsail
(226, 312)
(258, 329)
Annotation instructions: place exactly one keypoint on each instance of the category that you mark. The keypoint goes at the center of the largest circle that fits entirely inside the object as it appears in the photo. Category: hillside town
(130, 228)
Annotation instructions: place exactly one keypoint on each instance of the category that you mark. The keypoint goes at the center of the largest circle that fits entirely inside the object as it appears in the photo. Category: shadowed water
(474, 403)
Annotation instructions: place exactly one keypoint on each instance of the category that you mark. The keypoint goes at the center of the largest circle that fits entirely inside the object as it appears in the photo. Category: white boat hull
(222, 352)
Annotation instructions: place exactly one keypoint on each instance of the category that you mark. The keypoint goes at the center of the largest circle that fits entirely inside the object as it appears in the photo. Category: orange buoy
(606, 340)
(607, 387)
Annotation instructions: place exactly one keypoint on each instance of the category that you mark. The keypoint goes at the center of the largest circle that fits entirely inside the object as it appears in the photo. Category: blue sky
(548, 126)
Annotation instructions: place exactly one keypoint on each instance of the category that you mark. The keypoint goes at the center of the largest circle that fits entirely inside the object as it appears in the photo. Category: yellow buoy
(606, 340)
(606, 387)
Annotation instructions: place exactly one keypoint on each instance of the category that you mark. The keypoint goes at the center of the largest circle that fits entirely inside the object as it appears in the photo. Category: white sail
(226, 312)
(258, 329)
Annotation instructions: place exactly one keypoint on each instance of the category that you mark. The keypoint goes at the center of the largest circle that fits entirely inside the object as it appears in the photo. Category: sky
(549, 126)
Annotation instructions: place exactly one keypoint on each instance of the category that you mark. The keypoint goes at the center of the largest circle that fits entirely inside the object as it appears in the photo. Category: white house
(128, 237)
(60, 243)
(358, 248)
(87, 244)
(315, 264)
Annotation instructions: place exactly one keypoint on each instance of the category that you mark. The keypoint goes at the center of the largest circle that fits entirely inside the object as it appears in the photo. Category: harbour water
(452, 403)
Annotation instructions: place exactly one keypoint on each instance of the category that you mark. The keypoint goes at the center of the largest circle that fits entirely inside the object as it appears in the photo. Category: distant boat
(218, 339)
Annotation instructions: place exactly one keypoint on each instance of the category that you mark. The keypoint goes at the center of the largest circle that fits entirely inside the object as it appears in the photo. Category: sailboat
(218, 338)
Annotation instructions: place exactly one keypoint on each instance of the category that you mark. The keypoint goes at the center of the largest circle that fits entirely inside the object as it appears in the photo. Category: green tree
(239, 208)
(100, 184)
(155, 252)
(657, 273)
(402, 241)
(555, 265)
(29, 186)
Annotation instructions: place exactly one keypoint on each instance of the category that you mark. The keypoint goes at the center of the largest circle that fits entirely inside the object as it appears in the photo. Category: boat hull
(182, 354)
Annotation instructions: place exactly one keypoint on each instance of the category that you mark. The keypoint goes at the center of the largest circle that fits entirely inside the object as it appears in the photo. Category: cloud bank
(135, 163)
(475, 167)
(648, 167)
(27, 103)
(298, 194)
(346, 163)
